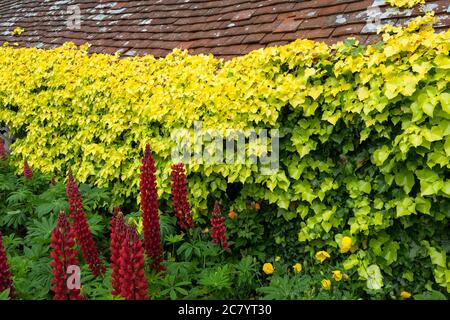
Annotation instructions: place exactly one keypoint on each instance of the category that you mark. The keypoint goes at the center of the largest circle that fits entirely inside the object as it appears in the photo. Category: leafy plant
(430, 295)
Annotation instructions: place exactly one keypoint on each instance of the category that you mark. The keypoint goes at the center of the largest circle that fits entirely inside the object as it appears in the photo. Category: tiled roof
(225, 28)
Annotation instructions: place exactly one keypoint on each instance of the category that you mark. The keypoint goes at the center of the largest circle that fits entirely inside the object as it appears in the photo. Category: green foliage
(286, 288)
(303, 287)
(431, 295)
(28, 213)
(4, 295)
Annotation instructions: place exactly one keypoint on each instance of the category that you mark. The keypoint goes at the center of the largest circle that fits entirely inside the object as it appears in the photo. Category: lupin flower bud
(180, 199)
(5, 275)
(131, 267)
(81, 229)
(118, 232)
(63, 255)
(149, 206)
(218, 230)
(27, 173)
(3, 154)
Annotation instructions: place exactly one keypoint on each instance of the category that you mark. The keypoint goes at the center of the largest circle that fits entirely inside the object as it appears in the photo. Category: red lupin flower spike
(149, 206)
(27, 173)
(133, 282)
(63, 255)
(5, 275)
(81, 229)
(3, 154)
(118, 232)
(180, 199)
(218, 230)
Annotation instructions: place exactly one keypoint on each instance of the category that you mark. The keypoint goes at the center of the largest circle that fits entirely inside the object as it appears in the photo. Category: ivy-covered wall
(364, 133)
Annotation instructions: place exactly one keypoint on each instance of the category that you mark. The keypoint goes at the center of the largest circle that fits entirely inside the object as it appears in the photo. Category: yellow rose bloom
(297, 267)
(405, 294)
(326, 284)
(346, 244)
(268, 268)
(337, 275)
(277, 258)
(322, 256)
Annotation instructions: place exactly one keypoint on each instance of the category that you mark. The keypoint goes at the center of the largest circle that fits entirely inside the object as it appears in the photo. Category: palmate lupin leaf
(173, 287)
(216, 278)
(279, 289)
(286, 288)
(97, 224)
(40, 230)
(12, 243)
(13, 218)
(51, 200)
(8, 182)
(54, 207)
(19, 197)
(167, 225)
(94, 197)
(40, 275)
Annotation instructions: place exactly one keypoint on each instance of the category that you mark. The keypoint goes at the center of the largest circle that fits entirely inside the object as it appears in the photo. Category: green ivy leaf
(406, 207)
(430, 295)
(437, 258)
(405, 179)
(374, 277)
(351, 262)
(423, 205)
(381, 155)
(444, 99)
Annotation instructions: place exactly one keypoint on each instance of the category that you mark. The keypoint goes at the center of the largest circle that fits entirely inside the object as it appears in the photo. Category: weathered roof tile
(287, 25)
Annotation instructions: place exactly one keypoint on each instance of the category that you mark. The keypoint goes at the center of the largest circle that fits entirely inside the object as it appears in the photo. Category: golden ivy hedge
(405, 3)
(365, 132)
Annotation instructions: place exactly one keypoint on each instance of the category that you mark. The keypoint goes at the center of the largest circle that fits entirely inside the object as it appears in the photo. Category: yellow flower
(232, 214)
(337, 275)
(322, 256)
(257, 206)
(17, 31)
(405, 294)
(206, 230)
(346, 244)
(297, 267)
(326, 284)
(268, 268)
(277, 258)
